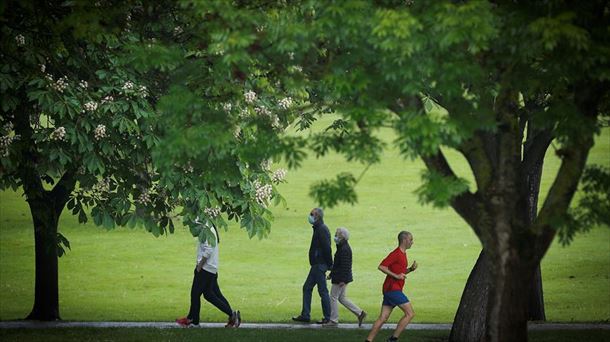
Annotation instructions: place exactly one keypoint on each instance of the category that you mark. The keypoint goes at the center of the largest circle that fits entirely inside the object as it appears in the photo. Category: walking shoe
(392, 339)
(323, 321)
(361, 318)
(182, 321)
(185, 322)
(232, 320)
(300, 318)
(330, 324)
(238, 319)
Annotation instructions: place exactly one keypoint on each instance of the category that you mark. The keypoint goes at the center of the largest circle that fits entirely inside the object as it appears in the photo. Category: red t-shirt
(397, 263)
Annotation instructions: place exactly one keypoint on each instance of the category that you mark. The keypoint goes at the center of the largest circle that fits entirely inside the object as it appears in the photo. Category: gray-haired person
(320, 260)
(341, 276)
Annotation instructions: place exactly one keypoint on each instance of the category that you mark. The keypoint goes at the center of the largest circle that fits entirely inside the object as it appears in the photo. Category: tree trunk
(509, 288)
(46, 295)
(469, 322)
(535, 310)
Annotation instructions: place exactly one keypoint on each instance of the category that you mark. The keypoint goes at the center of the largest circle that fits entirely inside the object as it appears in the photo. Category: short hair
(403, 235)
(320, 212)
(344, 233)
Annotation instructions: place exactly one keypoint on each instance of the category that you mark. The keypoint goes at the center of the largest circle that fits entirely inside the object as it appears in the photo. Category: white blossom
(244, 113)
(144, 198)
(59, 134)
(5, 143)
(91, 106)
(103, 186)
(178, 30)
(275, 123)
(83, 84)
(227, 107)
(263, 192)
(188, 168)
(291, 55)
(107, 99)
(60, 85)
(260, 28)
(285, 103)
(250, 96)
(296, 68)
(266, 165)
(100, 132)
(262, 110)
(237, 132)
(279, 175)
(128, 85)
(43, 68)
(212, 212)
(20, 39)
(143, 92)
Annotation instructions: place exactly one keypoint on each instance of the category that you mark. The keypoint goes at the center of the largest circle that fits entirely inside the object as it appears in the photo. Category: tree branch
(465, 204)
(535, 149)
(574, 158)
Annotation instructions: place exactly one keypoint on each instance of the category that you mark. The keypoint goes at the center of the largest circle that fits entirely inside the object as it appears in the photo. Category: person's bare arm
(387, 271)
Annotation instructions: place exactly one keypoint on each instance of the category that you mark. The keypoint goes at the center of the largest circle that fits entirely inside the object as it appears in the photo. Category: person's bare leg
(383, 317)
(404, 321)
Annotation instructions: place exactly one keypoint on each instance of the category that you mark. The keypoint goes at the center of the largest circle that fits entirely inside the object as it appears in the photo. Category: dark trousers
(316, 277)
(206, 284)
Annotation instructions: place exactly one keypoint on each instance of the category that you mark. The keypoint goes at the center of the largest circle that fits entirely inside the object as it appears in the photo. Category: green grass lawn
(263, 335)
(129, 275)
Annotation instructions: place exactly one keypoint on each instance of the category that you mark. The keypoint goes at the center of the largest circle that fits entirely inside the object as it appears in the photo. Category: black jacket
(342, 269)
(319, 250)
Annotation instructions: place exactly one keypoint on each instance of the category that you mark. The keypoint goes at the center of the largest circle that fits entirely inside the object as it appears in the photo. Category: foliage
(127, 100)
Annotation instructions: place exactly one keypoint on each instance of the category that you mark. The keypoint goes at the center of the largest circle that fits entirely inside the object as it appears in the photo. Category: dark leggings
(206, 283)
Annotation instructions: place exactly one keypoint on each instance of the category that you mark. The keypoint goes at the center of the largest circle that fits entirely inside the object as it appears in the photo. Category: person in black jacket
(341, 276)
(320, 260)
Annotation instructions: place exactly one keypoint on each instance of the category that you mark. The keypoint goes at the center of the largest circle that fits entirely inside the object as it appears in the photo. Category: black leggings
(206, 283)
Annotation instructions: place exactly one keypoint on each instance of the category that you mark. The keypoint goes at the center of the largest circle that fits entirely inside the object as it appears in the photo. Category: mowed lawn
(263, 335)
(129, 275)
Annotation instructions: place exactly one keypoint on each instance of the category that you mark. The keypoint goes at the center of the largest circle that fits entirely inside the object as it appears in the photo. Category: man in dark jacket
(340, 276)
(320, 260)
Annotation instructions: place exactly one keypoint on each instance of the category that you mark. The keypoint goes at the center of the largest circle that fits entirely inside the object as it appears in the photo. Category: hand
(199, 268)
(328, 277)
(413, 266)
(341, 284)
(400, 276)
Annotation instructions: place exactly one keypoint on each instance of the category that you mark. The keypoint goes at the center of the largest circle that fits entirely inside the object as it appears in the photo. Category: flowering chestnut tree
(87, 90)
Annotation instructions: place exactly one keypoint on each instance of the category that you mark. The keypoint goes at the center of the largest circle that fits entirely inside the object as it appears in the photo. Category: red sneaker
(184, 321)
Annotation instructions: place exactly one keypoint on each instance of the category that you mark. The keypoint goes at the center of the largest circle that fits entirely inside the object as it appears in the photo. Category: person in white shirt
(205, 282)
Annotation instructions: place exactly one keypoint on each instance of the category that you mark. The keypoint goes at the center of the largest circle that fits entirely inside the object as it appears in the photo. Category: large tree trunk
(508, 296)
(46, 295)
(469, 322)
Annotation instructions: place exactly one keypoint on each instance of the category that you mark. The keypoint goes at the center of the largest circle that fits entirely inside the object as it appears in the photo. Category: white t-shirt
(206, 250)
